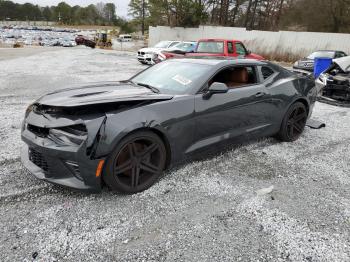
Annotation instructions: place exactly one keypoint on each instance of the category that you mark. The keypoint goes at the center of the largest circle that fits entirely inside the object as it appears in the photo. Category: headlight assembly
(28, 110)
(68, 135)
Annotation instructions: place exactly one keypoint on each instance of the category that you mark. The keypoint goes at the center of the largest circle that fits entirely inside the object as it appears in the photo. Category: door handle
(260, 94)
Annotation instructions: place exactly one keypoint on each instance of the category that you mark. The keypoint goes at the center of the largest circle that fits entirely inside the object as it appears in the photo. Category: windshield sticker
(182, 80)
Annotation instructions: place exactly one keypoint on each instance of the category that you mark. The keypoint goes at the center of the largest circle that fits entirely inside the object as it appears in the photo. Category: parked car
(178, 49)
(83, 40)
(146, 55)
(124, 134)
(307, 63)
(334, 83)
(223, 47)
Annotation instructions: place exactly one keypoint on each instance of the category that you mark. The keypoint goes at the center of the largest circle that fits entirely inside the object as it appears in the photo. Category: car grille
(307, 64)
(38, 159)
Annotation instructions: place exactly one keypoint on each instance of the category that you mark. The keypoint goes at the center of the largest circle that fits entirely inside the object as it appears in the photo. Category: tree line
(99, 14)
(272, 15)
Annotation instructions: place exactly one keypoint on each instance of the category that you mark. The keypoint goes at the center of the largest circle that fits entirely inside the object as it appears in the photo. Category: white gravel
(203, 211)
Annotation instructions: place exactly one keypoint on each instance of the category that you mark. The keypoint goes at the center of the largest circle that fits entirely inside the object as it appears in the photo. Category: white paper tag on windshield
(182, 80)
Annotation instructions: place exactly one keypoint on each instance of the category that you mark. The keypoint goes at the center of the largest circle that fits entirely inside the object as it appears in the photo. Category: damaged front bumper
(334, 89)
(57, 160)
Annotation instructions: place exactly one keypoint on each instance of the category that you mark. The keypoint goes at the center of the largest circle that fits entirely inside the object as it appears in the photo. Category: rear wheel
(136, 163)
(293, 123)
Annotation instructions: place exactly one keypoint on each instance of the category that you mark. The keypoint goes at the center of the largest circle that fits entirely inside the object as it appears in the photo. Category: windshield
(162, 44)
(172, 77)
(210, 47)
(326, 54)
(183, 47)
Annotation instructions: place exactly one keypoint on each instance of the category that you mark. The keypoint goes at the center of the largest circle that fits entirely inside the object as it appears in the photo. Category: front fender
(119, 125)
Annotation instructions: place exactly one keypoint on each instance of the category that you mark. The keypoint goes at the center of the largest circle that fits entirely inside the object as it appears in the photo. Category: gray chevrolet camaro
(125, 134)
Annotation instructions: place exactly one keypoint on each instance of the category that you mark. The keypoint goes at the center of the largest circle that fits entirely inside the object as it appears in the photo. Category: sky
(122, 5)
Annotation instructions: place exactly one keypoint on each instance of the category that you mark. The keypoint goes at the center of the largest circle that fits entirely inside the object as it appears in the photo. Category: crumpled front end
(334, 83)
(60, 148)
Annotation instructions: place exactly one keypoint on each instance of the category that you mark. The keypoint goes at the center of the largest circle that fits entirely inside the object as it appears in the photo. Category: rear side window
(266, 72)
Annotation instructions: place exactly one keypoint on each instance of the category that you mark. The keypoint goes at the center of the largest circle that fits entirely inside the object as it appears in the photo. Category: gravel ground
(213, 210)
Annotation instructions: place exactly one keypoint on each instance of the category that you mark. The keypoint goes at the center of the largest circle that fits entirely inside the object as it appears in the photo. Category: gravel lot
(203, 211)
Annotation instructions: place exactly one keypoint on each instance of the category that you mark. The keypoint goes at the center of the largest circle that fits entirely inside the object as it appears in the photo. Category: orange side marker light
(99, 168)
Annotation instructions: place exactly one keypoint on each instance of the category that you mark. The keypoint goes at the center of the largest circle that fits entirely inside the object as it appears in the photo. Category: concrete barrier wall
(27, 23)
(294, 43)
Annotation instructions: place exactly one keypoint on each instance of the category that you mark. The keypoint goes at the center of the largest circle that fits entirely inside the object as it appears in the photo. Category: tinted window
(240, 49)
(210, 47)
(266, 72)
(340, 54)
(173, 77)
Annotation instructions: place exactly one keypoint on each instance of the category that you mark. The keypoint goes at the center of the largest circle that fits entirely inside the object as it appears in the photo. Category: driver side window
(240, 49)
(236, 77)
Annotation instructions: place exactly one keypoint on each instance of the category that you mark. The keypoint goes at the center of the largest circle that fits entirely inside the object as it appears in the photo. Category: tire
(293, 123)
(136, 163)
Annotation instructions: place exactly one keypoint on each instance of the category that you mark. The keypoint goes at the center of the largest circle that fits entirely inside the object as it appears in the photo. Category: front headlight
(73, 135)
(28, 110)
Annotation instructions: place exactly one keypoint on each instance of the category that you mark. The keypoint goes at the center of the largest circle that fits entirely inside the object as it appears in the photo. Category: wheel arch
(161, 135)
(304, 101)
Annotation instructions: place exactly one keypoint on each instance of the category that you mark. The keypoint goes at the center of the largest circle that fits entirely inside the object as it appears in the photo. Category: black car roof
(219, 61)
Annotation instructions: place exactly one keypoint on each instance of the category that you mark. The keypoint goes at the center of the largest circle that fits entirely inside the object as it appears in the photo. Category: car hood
(343, 63)
(150, 49)
(108, 92)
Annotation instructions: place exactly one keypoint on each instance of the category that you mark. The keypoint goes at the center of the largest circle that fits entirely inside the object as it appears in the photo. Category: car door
(242, 111)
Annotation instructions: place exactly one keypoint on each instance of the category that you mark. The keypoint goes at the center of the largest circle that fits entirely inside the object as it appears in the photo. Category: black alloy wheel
(293, 123)
(136, 164)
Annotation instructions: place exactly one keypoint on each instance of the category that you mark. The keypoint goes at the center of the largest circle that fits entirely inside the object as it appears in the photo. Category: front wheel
(293, 123)
(136, 163)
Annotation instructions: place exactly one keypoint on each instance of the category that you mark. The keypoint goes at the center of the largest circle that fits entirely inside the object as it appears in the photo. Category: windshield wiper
(154, 89)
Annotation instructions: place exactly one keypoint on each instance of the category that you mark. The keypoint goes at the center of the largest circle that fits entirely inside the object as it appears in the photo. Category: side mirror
(215, 88)
(249, 52)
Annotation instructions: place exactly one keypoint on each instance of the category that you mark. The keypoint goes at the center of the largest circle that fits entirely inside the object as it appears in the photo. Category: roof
(218, 60)
(217, 39)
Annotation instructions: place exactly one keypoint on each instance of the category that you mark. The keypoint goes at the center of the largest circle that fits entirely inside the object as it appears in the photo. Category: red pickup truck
(212, 47)
(223, 47)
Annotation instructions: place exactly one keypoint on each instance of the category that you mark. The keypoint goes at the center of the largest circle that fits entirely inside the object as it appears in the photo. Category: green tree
(138, 9)
(47, 13)
(63, 13)
(109, 11)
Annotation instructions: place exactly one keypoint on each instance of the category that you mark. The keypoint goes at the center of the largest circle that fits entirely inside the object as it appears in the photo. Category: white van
(124, 38)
